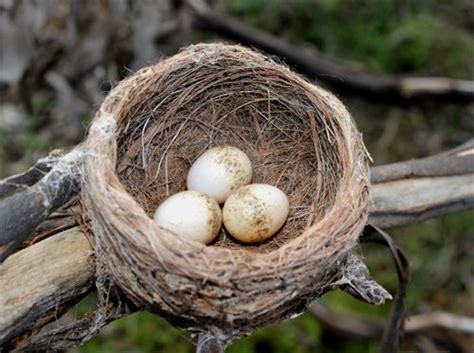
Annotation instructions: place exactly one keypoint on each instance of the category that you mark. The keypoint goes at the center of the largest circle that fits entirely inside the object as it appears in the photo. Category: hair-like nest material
(299, 137)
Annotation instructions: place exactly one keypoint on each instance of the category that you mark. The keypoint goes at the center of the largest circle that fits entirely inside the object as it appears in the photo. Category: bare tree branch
(413, 191)
(435, 328)
(458, 161)
(414, 200)
(41, 281)
(23, 211)
(341, 77)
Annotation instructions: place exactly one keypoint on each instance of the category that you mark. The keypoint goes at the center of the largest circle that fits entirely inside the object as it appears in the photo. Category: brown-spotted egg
(255, 212)
(219, 171)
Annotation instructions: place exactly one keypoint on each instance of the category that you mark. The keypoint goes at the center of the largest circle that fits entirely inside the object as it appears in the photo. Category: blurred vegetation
(425, 37)
(386, 36)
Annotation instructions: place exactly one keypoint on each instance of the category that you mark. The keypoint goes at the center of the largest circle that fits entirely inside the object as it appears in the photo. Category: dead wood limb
(458, 161)
(41, 281)
(440, 319)
(409, 201)
(395, 325)
(347, 325)
(23, 211)
(413, 191)
(340, 76)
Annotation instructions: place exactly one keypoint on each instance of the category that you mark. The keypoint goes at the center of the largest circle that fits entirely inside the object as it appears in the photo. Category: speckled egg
(190, 214)
(255, 212)
(219, 171)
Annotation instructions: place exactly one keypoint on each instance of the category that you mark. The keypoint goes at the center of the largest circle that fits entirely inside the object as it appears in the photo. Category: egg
(255, 212)
(219, 171)
(191, 215)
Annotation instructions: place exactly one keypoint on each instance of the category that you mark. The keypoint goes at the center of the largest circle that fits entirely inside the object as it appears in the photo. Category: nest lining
(298, 137)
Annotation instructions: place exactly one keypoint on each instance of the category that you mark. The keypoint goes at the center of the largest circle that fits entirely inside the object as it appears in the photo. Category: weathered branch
(55, 272)
(398, 312)
(23, 211)
(40, 282)
(411, 201)
(341, 77)
(432, 326)
(413, 191)
(458, 161)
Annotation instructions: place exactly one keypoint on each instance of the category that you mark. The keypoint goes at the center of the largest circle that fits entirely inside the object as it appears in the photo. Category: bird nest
(299, 137)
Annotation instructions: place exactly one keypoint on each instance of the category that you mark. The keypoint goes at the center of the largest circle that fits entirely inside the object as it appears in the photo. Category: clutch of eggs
(251, 213)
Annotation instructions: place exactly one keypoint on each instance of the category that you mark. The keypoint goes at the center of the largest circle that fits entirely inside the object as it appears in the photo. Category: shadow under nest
(300, 138)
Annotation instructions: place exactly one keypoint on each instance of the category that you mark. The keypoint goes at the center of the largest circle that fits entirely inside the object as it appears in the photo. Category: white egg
(220, 171)
(255, 212)
(190, 214)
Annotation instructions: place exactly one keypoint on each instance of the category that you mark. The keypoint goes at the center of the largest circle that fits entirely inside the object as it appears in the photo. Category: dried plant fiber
(299, 137)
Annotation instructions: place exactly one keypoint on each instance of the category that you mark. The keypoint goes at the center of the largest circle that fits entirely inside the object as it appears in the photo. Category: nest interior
(198, 104)
(299, 138)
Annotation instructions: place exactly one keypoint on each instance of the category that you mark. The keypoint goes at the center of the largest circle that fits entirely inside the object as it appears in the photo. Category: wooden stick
(75, 333)
(430, 326)
(341, 77)
(39, 282)
(413, 191)
(464, 324)
(409, 201)
(458, 161)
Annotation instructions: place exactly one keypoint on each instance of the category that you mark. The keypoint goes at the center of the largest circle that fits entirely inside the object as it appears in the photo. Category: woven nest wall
(299, 137)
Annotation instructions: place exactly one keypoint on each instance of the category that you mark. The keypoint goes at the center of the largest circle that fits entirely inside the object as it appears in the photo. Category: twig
(77, 332)
(440, 319)
(395, 326)
(458, 161)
